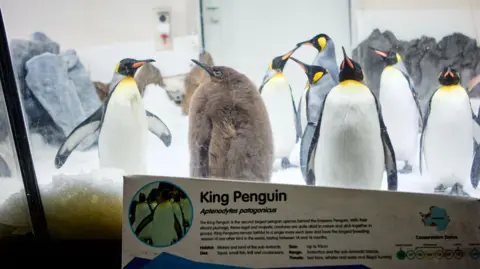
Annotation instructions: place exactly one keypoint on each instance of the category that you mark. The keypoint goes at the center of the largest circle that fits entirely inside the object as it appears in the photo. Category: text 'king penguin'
(351, 147)
(400, 108)
(123, 124)
(278, 98)
(447, 136)
(229, 131)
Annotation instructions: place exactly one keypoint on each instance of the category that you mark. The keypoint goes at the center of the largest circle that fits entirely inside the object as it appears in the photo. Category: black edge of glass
(20, 138)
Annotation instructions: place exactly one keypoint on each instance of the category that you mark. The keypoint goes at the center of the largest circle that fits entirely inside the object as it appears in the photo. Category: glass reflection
(75, 68)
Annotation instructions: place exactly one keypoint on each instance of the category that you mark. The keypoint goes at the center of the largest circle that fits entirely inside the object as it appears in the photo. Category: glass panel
(70, 73)
(14, 217)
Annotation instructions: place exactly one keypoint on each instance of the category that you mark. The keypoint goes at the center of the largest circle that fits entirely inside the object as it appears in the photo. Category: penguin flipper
(424, 127)
(83, 130)
(414, 95)
(312, 149)
(475, 170)
(298, 125)
(389, 153)
(159, 128)
(307, 139)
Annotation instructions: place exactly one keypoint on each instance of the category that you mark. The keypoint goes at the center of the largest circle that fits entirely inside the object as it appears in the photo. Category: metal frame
(13, 105)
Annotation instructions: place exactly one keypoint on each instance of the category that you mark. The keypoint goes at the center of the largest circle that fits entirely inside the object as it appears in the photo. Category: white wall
(104, 31)
(410, 19)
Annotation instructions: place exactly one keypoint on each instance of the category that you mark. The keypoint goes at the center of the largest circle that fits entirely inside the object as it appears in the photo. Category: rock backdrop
(56, 89)
(424, 58)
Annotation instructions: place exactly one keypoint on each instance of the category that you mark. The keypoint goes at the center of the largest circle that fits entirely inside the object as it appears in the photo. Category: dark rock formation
(59, 93)
(424, 58)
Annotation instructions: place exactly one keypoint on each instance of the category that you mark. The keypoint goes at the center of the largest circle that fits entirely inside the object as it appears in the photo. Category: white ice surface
(81, 189)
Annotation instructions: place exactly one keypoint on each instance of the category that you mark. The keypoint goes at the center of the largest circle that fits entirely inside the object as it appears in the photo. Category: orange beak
(381, 53)
(138, 64)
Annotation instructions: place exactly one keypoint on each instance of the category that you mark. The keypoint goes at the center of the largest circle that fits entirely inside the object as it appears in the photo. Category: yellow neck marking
(450, 88)
(351, 83)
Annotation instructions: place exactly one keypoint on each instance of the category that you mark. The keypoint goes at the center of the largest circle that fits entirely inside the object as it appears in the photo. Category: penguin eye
(217, 73)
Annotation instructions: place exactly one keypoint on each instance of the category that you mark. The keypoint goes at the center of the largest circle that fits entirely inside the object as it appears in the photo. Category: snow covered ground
(81, 169)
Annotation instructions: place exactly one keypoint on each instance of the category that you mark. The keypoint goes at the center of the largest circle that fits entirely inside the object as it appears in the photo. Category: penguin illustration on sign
(123, 123)
(278, 98)
(447, 136)
(326, 55)
(400, 107)
(229, 131)
(319, 83)
(351, 147)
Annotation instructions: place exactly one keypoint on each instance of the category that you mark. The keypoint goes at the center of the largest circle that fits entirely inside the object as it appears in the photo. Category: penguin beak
(379, 52)
(449, 73)
(306, 42)
(346, 59)
(473, 83)
(205, 67)
(306, 69)
(142, 62)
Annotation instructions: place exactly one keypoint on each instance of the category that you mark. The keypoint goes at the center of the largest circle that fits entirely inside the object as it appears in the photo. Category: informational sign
(195, 223)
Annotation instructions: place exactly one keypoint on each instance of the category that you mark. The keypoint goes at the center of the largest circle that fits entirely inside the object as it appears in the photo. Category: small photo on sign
(160, 214)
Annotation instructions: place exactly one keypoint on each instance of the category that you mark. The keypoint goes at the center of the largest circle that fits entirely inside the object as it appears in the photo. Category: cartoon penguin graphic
(400, 107)
(123, 123)
(351, 147)
(319, 83)
(326, 56)
(447, 135)
(278, 98)
(229, 132)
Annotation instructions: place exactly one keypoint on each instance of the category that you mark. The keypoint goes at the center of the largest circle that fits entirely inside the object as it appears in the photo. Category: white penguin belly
(448, 138)
(350, 150)
(400, 113)
(278, 100)
(123, 136)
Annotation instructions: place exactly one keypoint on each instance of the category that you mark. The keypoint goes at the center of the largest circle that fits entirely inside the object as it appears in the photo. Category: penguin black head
(278, 63)
(215, 72)
(313, 72)
(449, 77)
(128, 66)
(389, 57)
(349, 69)
(319, 42)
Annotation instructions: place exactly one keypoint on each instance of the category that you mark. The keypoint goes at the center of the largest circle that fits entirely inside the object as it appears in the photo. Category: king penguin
(400, 107)
(229, 133)
(326, 56)
(447, 135)
(123, 123)
(278, 98)
(319, 83)
(351, 147)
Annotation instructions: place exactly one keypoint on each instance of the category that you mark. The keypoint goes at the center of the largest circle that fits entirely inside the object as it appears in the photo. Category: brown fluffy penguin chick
(148, 74)
(196, 77)
(229, 131)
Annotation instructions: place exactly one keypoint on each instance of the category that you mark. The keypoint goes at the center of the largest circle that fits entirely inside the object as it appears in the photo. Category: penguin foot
(407, 169)
(457, 190)
(440, 189)
(286, 164)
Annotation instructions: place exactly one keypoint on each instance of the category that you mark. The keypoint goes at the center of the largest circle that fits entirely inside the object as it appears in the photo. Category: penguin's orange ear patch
(381, 53)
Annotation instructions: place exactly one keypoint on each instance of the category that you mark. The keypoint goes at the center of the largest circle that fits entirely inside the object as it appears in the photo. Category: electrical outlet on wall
(163, 29)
